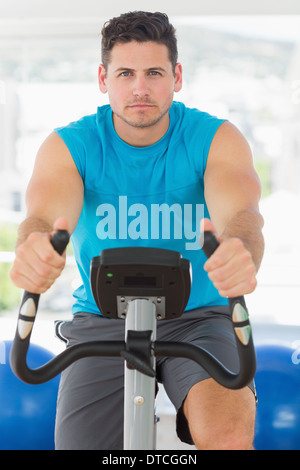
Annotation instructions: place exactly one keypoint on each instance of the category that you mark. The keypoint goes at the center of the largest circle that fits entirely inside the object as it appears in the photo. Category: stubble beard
(142, 121)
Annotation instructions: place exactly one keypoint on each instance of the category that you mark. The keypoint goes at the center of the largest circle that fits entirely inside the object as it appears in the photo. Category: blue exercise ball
(27, 412)
(278, 388)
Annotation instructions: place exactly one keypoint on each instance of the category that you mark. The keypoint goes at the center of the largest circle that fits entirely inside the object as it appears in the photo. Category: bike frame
(139, 350)
(139, 388)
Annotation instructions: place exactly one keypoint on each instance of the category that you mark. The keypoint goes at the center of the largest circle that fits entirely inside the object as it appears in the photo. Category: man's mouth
(141, 106)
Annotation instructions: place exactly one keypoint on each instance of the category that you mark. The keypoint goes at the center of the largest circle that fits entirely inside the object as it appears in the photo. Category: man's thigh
(90, 404)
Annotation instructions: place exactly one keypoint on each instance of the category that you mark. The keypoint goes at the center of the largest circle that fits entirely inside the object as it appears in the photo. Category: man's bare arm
(54, 201)
(232, 192)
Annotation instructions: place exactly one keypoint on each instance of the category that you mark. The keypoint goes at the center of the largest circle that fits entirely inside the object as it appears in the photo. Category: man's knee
(219, 418)
(214, 438)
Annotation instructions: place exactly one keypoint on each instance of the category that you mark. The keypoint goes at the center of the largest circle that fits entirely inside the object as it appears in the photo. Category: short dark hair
(139, 26)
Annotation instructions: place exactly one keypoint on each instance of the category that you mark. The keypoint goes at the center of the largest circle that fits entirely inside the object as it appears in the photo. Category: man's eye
(154, 73)
(125, 74)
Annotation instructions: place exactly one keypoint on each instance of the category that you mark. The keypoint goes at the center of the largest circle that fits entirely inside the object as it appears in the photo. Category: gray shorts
(90, 398)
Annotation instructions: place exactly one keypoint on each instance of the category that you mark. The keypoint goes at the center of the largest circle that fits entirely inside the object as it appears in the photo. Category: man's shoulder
(192, 113)
(88, 122)
(193, 121)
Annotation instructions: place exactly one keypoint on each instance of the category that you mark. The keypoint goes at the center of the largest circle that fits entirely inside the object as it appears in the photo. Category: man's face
(140, 83)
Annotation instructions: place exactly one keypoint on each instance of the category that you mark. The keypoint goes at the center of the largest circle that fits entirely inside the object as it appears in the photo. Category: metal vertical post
(139, 389)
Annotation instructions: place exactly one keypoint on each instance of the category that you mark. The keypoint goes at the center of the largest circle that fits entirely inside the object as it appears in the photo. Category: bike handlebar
(212, 365)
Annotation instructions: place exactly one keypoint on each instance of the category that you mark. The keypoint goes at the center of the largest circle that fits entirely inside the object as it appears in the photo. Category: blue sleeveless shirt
(142, 196)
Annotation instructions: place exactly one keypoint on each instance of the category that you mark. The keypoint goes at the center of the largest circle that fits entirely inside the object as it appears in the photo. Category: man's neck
(141, 136)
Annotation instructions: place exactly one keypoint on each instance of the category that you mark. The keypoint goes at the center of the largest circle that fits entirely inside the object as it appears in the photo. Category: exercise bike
(140, 286)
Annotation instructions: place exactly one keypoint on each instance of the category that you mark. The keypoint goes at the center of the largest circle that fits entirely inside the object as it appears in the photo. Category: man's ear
(178, 77)
(102, 78)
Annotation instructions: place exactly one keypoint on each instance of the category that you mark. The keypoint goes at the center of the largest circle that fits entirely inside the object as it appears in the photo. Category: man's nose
(140, 87)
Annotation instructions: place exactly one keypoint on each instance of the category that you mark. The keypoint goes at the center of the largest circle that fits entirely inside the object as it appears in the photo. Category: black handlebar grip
(27, 315)
(210, 243)
(29, 304)
(60, 241)
(241, 324)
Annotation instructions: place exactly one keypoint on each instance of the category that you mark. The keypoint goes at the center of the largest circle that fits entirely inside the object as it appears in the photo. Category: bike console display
(120, 275)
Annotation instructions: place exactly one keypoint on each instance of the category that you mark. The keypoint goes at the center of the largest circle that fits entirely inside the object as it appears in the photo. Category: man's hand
(231, 267)
(37, 265)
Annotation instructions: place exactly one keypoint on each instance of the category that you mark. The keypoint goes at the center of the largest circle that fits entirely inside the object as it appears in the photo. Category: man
(102, 178)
